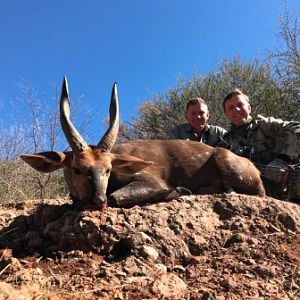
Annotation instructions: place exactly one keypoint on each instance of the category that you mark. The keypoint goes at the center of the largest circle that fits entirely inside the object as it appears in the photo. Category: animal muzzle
(99, 198)
(100, 201)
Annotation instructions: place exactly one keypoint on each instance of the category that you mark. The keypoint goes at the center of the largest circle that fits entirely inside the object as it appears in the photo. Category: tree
(157, 116)
(39, 115)
(12, 142)
(286, 61)
(36, 129)
(273, 87)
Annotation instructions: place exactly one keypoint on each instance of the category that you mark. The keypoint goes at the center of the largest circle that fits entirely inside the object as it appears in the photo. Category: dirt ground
(195, 247)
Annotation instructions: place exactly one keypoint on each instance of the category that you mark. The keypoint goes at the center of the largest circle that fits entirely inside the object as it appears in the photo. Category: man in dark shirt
(197, 127)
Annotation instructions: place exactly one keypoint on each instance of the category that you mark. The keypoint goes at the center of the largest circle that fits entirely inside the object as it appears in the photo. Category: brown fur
(141, 171)
(150, 171)
(193, 165)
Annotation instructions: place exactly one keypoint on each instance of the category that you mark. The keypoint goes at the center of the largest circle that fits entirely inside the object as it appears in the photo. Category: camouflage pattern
(211, 135)
(295, 183)
(263, 139)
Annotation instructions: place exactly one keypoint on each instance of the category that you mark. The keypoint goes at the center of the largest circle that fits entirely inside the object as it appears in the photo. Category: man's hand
(295, 183)
(277, 170)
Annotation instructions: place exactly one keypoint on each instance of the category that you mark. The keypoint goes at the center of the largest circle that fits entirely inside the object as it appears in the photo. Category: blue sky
(143, 45)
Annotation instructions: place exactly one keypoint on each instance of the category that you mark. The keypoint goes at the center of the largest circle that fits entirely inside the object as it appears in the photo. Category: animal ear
(45, 161)
(127, 164)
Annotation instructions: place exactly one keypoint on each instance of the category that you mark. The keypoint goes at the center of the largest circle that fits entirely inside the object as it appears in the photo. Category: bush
(18, 181)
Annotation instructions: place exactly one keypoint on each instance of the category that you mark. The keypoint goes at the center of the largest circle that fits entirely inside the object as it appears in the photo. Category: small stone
(149, 252)
(169, 285)
(235, 239)
(287, 221)
(179, 268)
(161, 268)
(5, 289)
(252, 241)
(39, 271)
(145, 237)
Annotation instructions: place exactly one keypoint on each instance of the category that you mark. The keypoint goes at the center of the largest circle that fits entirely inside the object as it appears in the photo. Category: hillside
(195, 247)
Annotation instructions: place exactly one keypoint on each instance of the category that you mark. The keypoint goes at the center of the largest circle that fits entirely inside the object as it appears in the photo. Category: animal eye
(108, 171)
(89, 174)
(77, 171)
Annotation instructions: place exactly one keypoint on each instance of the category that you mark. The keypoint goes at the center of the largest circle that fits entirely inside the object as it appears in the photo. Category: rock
(5, 289)
(149, 252)
(235, 239)
(195, 247)
(169, 286)
(161, 268)
(287, 221)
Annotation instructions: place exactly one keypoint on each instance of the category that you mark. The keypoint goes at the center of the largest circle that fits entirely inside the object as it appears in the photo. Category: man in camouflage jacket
(273, 144)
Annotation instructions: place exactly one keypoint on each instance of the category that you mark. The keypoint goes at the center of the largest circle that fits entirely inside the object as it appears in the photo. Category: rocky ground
(195, 247)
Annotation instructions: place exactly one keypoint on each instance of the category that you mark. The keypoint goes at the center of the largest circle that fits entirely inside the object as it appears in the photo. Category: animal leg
(238, 173)
(141, 193)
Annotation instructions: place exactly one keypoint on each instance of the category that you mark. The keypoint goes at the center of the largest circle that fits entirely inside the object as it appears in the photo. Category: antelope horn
(75, 140)
(109, 138)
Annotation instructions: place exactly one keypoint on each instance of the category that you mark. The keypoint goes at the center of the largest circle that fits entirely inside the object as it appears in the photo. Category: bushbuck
(143, 171)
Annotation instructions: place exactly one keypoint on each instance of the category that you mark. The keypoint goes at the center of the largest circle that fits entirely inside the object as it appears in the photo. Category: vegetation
(18, 181)
(38, 130)
(273, 86)
(158, 115)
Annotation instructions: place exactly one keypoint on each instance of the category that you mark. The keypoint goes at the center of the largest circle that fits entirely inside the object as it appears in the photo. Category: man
(197, 128)
(273, 144)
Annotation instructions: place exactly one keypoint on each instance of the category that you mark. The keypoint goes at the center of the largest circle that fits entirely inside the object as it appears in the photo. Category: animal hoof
(183, 191)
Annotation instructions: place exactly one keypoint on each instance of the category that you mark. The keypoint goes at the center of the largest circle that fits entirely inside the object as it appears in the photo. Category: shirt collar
(189, 128)
(241, 130)
(246, 125)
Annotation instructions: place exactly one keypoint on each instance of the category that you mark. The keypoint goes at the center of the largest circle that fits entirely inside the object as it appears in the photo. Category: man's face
(197, 115)
(237, 109)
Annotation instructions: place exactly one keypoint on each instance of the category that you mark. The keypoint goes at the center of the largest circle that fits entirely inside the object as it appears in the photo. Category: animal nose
(100, 201)
(99, 187)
